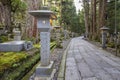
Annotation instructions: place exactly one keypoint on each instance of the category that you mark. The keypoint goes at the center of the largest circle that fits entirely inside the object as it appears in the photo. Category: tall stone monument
(43, 25)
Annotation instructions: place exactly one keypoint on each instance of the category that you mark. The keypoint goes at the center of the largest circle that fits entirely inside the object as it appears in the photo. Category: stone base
(46, 78)
(44, 71)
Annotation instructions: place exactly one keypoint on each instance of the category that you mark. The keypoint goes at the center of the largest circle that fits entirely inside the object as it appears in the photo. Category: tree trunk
(94, 16)
(91, 20)
(6, 13)
(86, 17)
(101, 14)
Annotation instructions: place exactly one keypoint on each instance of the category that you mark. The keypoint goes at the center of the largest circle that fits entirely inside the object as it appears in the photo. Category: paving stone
(72, 73)
(85, 70)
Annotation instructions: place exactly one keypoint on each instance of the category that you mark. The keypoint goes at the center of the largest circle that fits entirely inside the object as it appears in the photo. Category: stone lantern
(104, 36)
(43, 25)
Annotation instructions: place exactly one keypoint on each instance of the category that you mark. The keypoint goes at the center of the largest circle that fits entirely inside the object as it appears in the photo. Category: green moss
(9, 59)
(25, 67)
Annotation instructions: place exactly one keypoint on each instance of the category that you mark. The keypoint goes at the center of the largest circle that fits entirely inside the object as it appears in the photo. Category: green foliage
(53, 46)
(70, 19)
(111, 16)
(81, 20)
(3, 39)
(15, 10)
(18, 6)
(111, 45)
(1, 25)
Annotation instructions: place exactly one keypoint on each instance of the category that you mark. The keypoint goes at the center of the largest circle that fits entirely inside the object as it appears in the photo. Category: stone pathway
(88, 62)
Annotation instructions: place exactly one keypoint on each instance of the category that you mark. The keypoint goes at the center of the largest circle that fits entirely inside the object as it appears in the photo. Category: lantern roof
(43, 13)
(104, 28)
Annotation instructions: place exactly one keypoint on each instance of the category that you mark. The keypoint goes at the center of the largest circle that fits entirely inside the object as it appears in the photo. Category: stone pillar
(45, 48)
(103, 39)
(104, 36)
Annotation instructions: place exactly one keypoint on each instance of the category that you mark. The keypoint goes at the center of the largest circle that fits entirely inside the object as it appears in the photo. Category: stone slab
(12, 46)
(46, 77)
